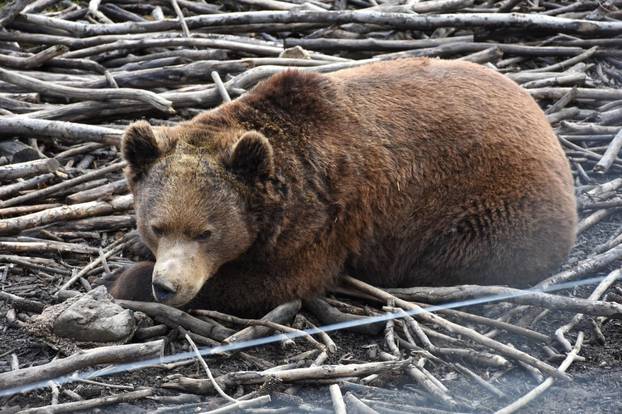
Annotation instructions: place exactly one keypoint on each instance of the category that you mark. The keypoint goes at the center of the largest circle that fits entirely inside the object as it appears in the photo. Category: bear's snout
(164, 282)
(163, 290)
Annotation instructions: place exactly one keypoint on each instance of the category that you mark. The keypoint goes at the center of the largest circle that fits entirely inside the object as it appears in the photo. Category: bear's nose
(163, 290)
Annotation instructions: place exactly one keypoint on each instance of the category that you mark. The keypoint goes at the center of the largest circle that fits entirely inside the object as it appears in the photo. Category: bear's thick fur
(408, 172)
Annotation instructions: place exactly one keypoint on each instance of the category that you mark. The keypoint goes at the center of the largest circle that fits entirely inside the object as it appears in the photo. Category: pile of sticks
(72, 76)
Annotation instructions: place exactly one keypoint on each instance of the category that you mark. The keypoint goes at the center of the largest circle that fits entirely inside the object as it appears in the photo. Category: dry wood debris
(73, 74)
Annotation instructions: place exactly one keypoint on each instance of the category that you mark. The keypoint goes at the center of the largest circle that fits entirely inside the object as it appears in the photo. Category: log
(27, 169)
(402, 21)
(27, 127)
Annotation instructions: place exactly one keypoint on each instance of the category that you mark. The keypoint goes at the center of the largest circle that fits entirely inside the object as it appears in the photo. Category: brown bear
(400, 173)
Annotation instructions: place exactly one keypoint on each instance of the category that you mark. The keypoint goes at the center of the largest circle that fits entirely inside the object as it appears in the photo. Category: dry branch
(280, 314)
(395, 20)
(321, 372)
(27, 169)
(174, 317)
(502, 293)
(92, 403)
(259, 322)
(61, 367)
(58, 129)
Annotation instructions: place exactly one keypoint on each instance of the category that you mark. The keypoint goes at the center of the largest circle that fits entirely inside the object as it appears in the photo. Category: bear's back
(476, 184)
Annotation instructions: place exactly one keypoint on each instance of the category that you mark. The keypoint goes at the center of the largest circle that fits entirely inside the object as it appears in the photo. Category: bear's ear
(252, 157)
(139, 148)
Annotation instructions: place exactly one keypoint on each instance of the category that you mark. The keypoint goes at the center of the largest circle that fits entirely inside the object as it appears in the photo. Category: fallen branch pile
(73, 75)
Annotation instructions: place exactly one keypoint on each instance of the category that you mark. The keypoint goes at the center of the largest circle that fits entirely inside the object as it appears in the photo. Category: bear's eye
(204, 236)
(157, 230)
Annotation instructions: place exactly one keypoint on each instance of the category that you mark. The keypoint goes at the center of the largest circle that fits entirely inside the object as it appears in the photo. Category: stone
(94, 317)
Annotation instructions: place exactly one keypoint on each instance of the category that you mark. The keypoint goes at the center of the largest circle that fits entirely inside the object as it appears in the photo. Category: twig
(221, 87)
(339, 405)
(597, 293)
(180, 16)
(613, 149)
(358, 406)
(114, 248)
(537, 391)
(219, 390)
(525, 297)
(241, 405)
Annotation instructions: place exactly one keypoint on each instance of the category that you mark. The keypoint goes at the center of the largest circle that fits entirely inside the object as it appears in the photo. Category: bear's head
(190, 200)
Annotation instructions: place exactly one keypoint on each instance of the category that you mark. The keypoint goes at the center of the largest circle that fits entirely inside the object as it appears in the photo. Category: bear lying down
(402, 173)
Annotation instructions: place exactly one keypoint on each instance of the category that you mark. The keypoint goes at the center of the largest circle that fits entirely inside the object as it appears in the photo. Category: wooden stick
(566, 63)
(56, 129)
(330, 372)
(208, 371)
(327, 314)
(526, 297)
(174, 317)
(22, 303)
(595, 295)
(222, 90)
(10, 11)
(46, 246)
(613, 149)
(241, 405)
(29, 168)
(281, 314)
(114, 248)
(103, 355)
(358, 406)
(259, 322)
(92, 403)
(339, 405)
(115, 187)
(395, 20)
(582, 268)
(180, 16)
(34, 61)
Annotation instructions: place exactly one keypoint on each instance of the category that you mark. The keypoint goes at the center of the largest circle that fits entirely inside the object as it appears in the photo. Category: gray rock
(95, 318)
